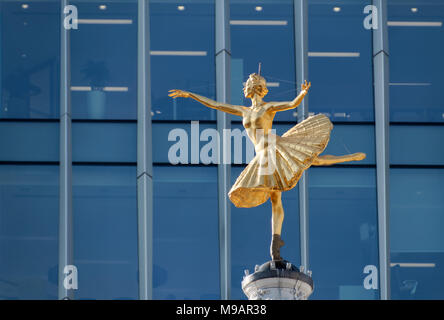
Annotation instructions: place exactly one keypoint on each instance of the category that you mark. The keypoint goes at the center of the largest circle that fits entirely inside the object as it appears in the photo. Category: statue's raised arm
(287, 105)
(225, 107)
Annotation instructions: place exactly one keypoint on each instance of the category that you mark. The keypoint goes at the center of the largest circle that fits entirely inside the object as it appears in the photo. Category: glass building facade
(87, 131)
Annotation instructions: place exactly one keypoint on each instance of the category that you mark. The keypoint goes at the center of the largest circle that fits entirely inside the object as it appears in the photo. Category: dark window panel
(416, 145)
(29, 209)
(416, 64)
(104, 61)
(29, 141)
(186, 240)
(30, 60)
(104, 142)
(416, 238)
(254, 40)
(343, 231)
(105, 232)
(182, 57)
(342, 85)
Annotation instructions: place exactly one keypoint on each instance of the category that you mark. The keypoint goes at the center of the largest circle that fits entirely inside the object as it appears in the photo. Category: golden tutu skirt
(287, 157)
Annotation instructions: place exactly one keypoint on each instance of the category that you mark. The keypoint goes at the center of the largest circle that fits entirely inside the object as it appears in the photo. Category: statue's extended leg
(277, 218)
(329, 160)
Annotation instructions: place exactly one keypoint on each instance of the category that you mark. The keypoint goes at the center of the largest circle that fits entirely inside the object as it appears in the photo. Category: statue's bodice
(257, 118)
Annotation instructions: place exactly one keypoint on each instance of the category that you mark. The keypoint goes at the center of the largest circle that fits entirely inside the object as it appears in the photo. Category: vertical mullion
(144, 156)
(223, 92)
(65, 214)
(381, 96)
(301, 49)
(1, 58)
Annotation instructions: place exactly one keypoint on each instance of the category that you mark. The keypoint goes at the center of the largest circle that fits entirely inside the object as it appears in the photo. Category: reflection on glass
(29, 207)
(340, 60)
(186, 233)
(416, 236)
(263, 31)
(416, 64)
(29, 59)
(182, 57)
(104, 60)
(105, 232)
(251, 236)
(343, 232)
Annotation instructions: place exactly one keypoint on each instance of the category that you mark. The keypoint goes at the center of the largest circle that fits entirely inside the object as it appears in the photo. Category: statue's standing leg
(277, 218)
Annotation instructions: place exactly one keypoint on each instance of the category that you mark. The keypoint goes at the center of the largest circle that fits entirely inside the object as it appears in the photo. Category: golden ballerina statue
(289, 155)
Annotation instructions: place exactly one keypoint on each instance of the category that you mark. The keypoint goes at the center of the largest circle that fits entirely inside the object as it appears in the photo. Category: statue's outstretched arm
(287, 105)
(228, 108)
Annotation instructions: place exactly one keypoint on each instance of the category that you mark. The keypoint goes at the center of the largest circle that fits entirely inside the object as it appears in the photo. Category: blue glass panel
(29, 141)
(343, 231)
(340, 60)
(416, 64)
(29, 59)
(251, 236)
(416, 237)
(182, 57)
(416, 144)
(29, 207)
(105, 232)
(104, 60)
(186, 237)
(263, 31)
(104, 142)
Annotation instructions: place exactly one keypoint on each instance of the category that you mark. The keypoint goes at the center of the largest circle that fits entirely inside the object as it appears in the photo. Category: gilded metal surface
(279, 161)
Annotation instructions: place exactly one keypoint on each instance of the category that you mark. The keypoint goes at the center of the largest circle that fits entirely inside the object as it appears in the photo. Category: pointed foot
(276, 244)
(358, 156)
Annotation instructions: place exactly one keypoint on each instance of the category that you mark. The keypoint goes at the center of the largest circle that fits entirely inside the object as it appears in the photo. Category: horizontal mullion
(34, 120)
(286, 122)
(30, 163)
(421, 124)
(167, 164)
(29, 120)
(74, 163)
(104, 121)
(183, 121)
(417, 166)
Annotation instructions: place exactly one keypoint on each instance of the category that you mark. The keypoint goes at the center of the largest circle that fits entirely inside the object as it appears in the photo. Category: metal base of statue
(277, 280)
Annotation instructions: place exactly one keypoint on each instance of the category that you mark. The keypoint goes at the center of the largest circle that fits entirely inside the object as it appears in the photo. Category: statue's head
(255, 85)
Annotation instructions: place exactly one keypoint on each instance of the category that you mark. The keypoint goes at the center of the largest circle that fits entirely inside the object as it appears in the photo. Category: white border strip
(422, 84)
(104, 21)
(413, 265)
(414, 23)
(258, 22)
(109, 89)
(177, 53)
(334, 54)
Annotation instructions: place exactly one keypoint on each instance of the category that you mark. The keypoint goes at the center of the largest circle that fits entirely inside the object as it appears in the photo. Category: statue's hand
(305, 86)
(175, 93)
